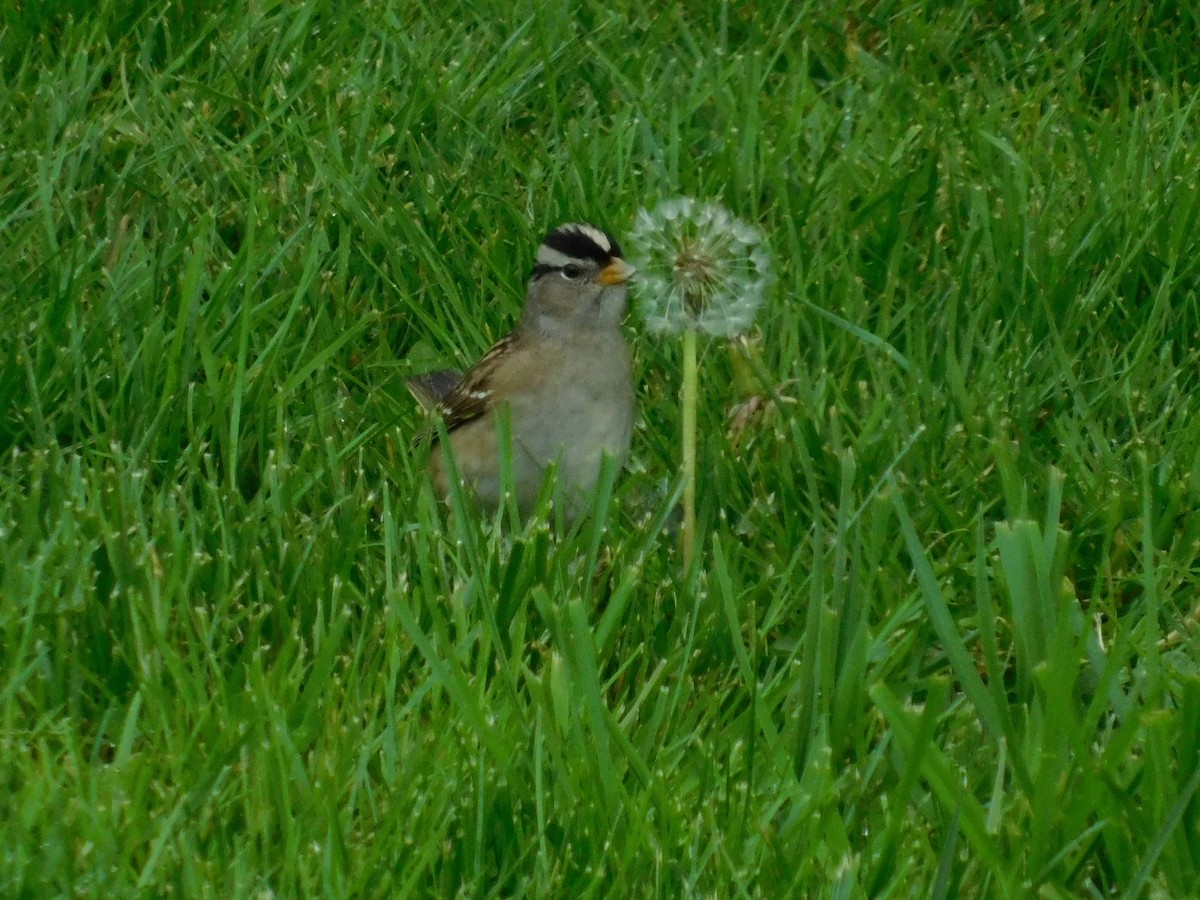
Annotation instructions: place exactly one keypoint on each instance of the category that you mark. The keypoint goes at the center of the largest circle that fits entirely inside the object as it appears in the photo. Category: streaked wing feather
(469, 398)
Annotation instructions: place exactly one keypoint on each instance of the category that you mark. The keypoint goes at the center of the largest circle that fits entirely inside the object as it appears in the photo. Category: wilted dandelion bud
(699, 267)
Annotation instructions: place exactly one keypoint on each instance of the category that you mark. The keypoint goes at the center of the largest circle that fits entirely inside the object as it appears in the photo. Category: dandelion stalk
(700, 270)
(689, 399)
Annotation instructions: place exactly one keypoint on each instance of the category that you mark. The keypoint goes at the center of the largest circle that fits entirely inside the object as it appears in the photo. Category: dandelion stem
(690, 393)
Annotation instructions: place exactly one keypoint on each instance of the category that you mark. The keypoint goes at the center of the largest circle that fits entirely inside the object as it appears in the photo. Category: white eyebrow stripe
(595, 234)
(548, 256)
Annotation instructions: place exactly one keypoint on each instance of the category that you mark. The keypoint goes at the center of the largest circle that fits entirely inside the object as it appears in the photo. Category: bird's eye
(571, 271)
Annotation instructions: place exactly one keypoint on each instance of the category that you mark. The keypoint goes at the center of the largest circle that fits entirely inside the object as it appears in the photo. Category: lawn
(941, 635)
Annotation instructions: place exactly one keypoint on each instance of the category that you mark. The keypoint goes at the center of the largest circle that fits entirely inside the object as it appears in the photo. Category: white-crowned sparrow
(564, 374)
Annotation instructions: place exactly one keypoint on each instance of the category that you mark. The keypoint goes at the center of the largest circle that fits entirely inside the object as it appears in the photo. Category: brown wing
(471, 397)
(431, 387)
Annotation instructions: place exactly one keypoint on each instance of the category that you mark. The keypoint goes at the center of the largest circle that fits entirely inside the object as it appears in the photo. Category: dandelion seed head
(699, 267)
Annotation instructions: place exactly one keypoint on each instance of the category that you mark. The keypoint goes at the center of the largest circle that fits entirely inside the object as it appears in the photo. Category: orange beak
(616, 272)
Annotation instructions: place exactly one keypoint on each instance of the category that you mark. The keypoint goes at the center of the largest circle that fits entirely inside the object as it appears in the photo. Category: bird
(563, 377)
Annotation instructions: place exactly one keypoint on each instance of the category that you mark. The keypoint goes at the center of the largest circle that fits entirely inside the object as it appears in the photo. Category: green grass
(941, 639)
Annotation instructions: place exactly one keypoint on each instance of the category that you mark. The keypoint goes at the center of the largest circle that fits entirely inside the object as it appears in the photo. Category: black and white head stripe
(575, 243)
